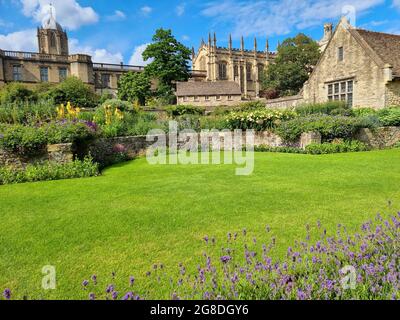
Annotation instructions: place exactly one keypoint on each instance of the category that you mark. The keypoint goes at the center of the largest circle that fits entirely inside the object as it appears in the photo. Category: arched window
(53, 40)
(248, 71)
(260, 71)
(222, 75)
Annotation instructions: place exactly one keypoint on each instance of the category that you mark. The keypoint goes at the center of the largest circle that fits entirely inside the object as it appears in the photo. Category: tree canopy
(170, 59)
(293, 64)
(134, 86)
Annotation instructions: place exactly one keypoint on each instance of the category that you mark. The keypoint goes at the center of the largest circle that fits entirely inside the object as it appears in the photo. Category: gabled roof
(207, 88)
(386, 46)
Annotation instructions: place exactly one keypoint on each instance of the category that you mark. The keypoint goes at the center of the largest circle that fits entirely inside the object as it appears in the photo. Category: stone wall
(393, 94)
(285, 102)
(379, 138)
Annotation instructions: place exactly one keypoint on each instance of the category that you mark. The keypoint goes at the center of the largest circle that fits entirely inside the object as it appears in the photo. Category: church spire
(215, 40)
(242, 44)
(209, 39)
(255, 44)
(230, 42)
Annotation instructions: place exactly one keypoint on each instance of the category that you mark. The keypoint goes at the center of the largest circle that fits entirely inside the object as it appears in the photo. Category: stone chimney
(328, 33)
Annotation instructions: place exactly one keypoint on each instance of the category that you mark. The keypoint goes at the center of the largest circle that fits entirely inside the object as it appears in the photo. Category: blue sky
(117, 30)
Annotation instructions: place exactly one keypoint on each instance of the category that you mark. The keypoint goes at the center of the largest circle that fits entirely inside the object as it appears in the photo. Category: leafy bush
(389, 117)
(76, 92)
(119, 104)
(27, 112)
(345, 146)
(180, 110)
(330, 108)
(260, 119)
(16, 92)
(363, 112)
(22, 139)
(65, 131)
(213, 122)
(330, 127)
(265, 148)
(49, 171)
(250, 106)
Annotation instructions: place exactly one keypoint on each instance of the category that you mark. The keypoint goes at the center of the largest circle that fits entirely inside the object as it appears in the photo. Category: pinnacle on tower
(255, 44)
(242, 44)
(215, 40)
(209, 39)
(230, 42)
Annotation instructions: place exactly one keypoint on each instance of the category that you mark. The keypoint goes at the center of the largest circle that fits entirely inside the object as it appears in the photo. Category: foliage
(389, 117)
(49, 171)
(179, 110)
(15, 92)
(250, 106)
(22, 139)
(169, 60)
(265, 148)
(330, 127)
(260, 119)
(134, 87)
(27, 112)
(330, 108)
(340, 147)
(292, 66)
(105, 96)
(70, 131)
(76, 92)
(120, 105)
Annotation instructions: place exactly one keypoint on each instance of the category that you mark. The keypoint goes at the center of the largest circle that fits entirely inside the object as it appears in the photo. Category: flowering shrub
(260, 119)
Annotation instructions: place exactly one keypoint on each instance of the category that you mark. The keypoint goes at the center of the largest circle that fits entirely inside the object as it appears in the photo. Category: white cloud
(146, 10)
(396, 4)
(69, 13)
(117, 16)
(136, 58)
(185, 37)
(24, 40)
(180, 9)
(279, 17)
(98, 54)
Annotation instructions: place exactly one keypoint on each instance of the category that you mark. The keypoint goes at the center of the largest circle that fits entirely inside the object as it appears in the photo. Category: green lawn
(135, 215)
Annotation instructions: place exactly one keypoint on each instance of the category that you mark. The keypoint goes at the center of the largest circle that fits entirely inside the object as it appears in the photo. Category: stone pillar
(308, 138)
(82, 67)
(245, 79)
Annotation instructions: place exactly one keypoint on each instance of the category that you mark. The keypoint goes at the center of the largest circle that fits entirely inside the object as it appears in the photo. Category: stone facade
(357, 66)
(380, 137)
(53, 62)
(213, 63)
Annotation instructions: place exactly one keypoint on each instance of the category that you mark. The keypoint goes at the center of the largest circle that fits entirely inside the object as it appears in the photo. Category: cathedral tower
(52, 38)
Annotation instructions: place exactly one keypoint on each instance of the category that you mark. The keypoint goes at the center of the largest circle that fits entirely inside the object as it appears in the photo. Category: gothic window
(260, 71)
(222, 71)
(341, 91)
(53, 40)
(248, 72)
(236, 70)
(17, 72)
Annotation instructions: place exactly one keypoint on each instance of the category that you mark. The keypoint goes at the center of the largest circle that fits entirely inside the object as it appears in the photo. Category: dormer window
(341, 54)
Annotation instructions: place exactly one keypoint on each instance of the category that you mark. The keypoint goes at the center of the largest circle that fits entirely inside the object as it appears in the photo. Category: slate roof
(386, 46)
(207, 88)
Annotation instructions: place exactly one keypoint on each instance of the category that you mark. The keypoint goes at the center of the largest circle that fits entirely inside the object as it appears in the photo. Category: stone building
(53, 63)
(357, 66)
(215, 64)
(208, 94)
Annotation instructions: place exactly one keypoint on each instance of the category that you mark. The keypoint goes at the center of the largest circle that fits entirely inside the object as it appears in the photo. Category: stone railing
(21, 55)
(116, 67)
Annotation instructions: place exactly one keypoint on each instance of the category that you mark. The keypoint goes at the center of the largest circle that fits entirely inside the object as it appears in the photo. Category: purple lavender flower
(94, 279)
(131, 281)
(128, 296)
(92, 296)
(7, 294)
(85, 283)
(225, 259)
(114, 295)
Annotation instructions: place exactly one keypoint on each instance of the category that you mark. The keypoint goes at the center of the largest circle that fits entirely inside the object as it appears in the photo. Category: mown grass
(137, 214)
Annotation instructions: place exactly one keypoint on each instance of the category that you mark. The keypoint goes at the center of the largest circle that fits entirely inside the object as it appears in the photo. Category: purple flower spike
(92, 296)
(131, 280)
(225, 259)
(7, 294)
(128, 296)
(85, 283)
(114, 295)
(94, 279)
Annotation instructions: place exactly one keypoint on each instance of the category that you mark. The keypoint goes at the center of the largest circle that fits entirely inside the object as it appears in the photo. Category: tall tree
(170, 59)
(292, 66)
(134, 86)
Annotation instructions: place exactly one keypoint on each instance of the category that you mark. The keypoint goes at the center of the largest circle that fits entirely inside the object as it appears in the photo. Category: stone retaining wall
(379, 138)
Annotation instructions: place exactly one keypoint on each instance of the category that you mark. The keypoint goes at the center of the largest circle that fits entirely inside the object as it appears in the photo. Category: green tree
(292, 66)
(134, 86)
(170, 60)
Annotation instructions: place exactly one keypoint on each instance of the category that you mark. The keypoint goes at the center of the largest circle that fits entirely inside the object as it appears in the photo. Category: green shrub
(70, 131)
(330, 108)
(330, 127)
(27, 112)
(265, 148)
(180, 110)
(389, 117)
(49, 171)
(22, 139)
(76, 92)
(213, 122)
(16, 92)
(250, 106)
(345, 146)
(363, 112)
(119, 104)
(261, 119)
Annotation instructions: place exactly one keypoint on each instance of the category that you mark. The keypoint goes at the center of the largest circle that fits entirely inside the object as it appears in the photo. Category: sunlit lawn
(138, 214)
